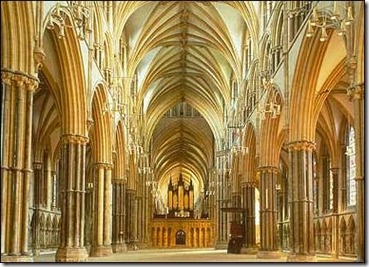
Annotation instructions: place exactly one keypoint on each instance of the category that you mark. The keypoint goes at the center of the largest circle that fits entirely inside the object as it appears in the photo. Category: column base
(118, 248)
(133, 246)
(301, 258)
(67, 254)
(16, 258)
(221, 245)
(101, 251)
(36, 252)
(266, 254)
(143, 245)
(251, 251)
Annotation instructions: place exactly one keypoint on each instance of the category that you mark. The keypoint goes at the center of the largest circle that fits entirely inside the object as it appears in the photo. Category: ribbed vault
(183, 51)
(182, 145)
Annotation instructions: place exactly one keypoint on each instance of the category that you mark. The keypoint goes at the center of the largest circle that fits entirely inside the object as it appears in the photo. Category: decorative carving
(74, 139)
(301, 145)
(268, 169)
(20, 79)
(39, 57)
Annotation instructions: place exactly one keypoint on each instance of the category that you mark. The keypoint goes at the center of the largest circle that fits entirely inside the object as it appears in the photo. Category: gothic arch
(17, 36)
(70, 94)
(120, 145)
(250, 141)
(303, 85)
(101, 142)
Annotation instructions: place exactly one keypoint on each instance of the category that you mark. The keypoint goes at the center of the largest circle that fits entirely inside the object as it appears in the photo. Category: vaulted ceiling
(184, 51)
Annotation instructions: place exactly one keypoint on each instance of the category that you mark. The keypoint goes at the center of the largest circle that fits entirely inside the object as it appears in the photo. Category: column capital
(37, 165)
(118, 181)
(104, 165)
(268, 169)
(248, 184)
(8, 76)
(74, 139)
(130, 191)
(357, 91)
(301, 145)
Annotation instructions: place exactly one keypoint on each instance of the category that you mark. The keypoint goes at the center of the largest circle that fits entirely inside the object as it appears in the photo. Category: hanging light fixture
(336, 20)
(324, 35)
(310, 31)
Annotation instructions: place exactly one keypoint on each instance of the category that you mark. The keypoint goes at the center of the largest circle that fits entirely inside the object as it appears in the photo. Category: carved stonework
(189, 233)
(268, 169)
(74, 139)
(301, 145)
(20, 79)
(39, 57)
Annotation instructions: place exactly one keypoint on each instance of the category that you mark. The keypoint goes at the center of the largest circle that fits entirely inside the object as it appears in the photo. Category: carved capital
(7, 77)
(74, 139)
(301, 145)
(248, 184)
(31, 85)
(103, 165)
(37, 165)
(268, 169)
(19, 79)
(118, 181)
(358, 91)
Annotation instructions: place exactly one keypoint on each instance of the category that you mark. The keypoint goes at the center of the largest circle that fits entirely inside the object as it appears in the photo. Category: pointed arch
(101, 138)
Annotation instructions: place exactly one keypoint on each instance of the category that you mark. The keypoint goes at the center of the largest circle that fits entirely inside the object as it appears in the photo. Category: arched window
(351, 167)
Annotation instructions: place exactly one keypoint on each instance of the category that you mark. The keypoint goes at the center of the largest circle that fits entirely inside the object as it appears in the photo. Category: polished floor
(184, 255)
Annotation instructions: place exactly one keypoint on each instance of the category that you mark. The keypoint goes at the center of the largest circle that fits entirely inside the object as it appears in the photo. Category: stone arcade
(128, 125)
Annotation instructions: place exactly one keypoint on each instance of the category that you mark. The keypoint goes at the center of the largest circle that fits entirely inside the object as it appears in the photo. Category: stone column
(135, 219)
(222, 217)
(17, 101)
(335, 214)
(131, 218)
(37, 176)
(248, 195)
(101, 244)
(358, 99)
(301, 202)
(72, 198)
(268, 213)
(118, 243)
(236, 202)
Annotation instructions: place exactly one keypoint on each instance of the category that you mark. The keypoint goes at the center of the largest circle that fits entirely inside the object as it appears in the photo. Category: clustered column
(222, 217)
(268, 213)
(72, 198)
(37, 175)
(103, 212)
(335, 236)
(16, 170)
(301, 201)
(248, 194)
(131, 217)
(119, 200)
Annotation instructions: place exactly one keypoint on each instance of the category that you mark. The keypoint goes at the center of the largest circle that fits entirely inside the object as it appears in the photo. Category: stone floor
(184, 255)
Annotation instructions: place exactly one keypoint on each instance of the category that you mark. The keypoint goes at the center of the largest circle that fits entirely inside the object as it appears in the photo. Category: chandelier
(324, 18)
